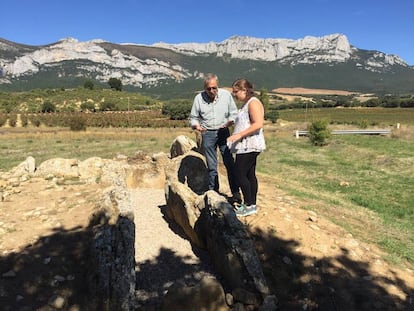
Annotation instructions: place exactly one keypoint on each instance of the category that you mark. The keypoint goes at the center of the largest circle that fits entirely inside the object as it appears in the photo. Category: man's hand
(229, 123)
(199, 128)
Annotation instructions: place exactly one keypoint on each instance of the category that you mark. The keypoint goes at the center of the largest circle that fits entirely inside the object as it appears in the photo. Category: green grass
(357, 116)
(372, 173)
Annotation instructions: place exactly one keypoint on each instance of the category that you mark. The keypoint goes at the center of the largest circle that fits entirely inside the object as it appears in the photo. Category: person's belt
(218, 129)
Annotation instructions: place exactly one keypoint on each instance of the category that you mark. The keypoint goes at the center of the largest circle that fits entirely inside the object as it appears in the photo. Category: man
(213, 111)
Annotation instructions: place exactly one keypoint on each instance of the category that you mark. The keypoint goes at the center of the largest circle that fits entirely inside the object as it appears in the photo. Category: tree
(48, 107)
(88, 85)
(115, 84)
(319, 133)
(264, 98)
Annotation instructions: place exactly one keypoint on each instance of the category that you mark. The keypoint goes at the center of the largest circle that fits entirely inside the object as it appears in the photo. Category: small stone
(287, 260)
(315, 227)
(229, 299)
(56, 301)
(54, 283)
(59, 278)
(9, 274)
(47, 260)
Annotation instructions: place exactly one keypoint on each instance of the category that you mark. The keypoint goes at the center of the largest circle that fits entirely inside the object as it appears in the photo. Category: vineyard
(81, 120)
(361, 116)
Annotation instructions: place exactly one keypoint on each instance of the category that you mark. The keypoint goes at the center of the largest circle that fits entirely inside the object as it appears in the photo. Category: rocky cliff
(149, 66)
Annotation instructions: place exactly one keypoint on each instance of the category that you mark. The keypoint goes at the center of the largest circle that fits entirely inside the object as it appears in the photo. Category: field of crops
(359, 116)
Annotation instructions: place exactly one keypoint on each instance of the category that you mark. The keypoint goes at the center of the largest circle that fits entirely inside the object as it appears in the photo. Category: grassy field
(363, 183)
(357, 116)
(16, 144)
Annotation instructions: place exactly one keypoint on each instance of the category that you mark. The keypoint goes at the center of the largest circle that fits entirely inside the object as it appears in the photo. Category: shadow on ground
(57, 266)
(306, 283)
(52, 268)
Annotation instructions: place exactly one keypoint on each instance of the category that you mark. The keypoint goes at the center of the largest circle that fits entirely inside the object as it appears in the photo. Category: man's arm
(195, 115)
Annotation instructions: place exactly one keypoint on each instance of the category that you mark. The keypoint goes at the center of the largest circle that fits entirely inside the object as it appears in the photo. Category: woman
(247, 141)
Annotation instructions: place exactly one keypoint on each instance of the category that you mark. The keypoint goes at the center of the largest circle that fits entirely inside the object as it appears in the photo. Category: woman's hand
(234, 138)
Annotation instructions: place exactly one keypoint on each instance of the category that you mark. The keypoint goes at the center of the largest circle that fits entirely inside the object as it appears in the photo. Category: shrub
(3, 119)
(23, 118)
(319, 133)
(107, 106)
(88, 85)
(77, 123)
(87, 106)
(177, 109)
(48, 107)
(115, 84)
(272, 115)
(13, 120)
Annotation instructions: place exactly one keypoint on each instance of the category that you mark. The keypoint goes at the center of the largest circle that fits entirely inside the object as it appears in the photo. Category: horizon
(368, 25)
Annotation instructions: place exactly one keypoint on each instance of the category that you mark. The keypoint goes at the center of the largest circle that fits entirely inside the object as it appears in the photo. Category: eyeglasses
(213, 88)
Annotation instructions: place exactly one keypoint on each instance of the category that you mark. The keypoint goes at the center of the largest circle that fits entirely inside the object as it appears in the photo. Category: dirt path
(162, 252)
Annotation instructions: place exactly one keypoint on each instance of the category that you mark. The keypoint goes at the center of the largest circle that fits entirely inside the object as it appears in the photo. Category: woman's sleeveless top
(253, 143)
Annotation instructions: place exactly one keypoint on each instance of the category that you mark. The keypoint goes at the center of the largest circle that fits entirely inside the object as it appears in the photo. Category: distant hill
(176, 70)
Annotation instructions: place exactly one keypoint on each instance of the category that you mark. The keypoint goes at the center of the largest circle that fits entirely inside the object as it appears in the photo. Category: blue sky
(386, 26)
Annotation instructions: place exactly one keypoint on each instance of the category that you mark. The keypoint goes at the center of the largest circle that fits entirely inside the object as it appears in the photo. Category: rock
(181, 208)
(229, 246)
(57, 302)
(189, 169)
(181, 145)
(59, 167)
(30, 165)
(287, 260)
(269, 303)
(246, 297)
(9, 274)
(91, 169)
(208, 295)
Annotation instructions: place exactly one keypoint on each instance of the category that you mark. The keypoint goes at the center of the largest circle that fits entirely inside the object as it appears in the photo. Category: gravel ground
(163, 254)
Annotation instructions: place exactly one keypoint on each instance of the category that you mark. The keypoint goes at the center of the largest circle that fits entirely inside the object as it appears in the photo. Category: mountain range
(176, 70)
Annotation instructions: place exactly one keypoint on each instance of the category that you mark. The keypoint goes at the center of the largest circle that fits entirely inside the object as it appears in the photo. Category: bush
(87, 106)
(3, 119)
(319, 133)
(48, 107)
(107, 106)
(77, 123)
(272, 115)
(88, 85)
(12, 120)
(177, 109)
(115, 84)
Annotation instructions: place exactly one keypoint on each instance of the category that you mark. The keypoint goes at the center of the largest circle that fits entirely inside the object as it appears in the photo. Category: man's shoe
(243, 210)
